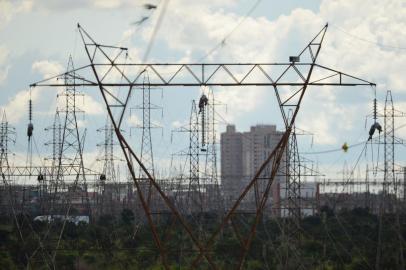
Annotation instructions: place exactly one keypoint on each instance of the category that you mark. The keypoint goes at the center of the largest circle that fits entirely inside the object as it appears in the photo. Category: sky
(366, 39)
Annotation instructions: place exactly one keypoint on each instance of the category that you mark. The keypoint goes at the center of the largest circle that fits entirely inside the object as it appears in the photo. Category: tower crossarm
(44, 170)
(212, 74)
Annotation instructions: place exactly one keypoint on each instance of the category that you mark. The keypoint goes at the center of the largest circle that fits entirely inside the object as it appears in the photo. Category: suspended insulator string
(372, 152)
(375, 110)
(377, 158)
(30, 110)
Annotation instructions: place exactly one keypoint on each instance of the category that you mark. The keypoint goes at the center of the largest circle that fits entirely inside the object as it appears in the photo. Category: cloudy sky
(365, 38)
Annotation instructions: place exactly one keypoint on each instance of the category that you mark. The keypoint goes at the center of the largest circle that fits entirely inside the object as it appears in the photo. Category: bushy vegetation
(344, 240)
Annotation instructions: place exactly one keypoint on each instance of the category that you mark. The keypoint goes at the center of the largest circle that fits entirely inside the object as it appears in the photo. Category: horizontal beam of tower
(355, 183)
(219, 74)
(45, 171)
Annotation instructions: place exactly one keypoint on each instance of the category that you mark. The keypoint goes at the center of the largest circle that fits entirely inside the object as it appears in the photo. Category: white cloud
(84, 102)
(177, 124)
(123, 4)
(91, 106)
(44, 98)
(134, 120)
(4, 54)
(262, 40)
(82, 123)
(4, 74)
(192, 29)
(240, 100)
(400, 122)
(8, 9)
(47, 68)
(107, 4)
(16, 108)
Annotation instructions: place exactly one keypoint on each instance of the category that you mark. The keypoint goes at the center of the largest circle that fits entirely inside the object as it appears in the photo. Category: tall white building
(242, 154)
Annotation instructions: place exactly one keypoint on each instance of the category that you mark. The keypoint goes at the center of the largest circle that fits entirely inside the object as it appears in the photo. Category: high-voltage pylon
(146, 151)
(293, 178)
(70, 156)
(55, 143)
(106, 193)
(299, 73)
(390, 196)
(194, 194)
(210, 173)
(147, 156)
(203, 192)
(389, 148)
(70, 151)
(291, 204)
(108, 158)
(7, 135)
(191, 197)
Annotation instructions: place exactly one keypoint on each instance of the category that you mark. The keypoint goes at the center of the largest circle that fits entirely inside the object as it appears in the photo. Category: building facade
(242, 154)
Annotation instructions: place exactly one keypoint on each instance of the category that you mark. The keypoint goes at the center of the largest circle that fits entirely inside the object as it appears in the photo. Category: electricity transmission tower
(146, 151)
(390, 195)
(194, 193)
(191, 198)
(7, 136)
(301, 72)
(108, 192)
(203, 191)
(55, 143)
(209, 151)
(70, 155)
(389, 149)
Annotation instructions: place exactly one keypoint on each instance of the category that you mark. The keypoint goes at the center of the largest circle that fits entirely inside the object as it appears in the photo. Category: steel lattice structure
(389, 142)
(7, 135)
(106, 66)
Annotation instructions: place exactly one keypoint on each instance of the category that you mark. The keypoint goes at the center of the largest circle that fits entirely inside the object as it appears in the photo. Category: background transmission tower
(209, 152)
(7, 135)
(55, 143)
(70, 156)
(146, 153)
(108, 189)
(194, 198)
(389, 149)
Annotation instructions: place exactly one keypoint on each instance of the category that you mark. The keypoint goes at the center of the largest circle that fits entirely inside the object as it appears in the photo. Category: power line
(367, 40)
(223, 41)
(155, 30)
(340, 149)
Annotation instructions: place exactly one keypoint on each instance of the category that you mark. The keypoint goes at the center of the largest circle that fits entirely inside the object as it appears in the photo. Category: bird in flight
(142, 20)
(150, 6)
